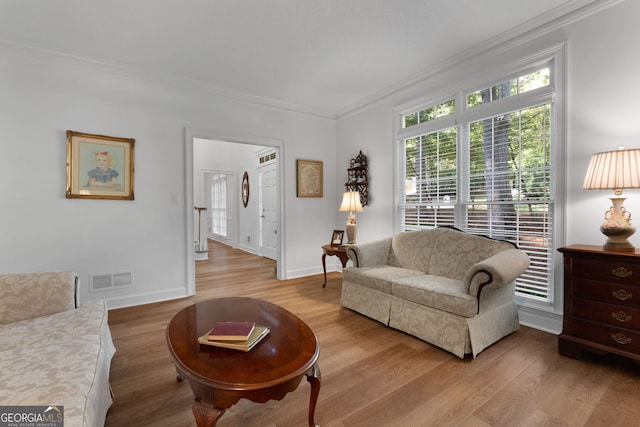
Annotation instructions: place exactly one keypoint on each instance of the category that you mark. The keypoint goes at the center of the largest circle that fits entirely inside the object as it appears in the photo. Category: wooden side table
(333, 250)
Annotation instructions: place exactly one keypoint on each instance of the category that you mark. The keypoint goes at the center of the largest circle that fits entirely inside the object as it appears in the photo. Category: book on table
(258, 334)
(231, 331)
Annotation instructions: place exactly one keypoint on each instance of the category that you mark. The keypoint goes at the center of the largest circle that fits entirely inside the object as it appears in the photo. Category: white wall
(602, 74)
(43, 95)
(604, 89)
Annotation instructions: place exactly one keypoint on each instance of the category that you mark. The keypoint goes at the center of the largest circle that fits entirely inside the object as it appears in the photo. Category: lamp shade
(351, 202)
(613, 170)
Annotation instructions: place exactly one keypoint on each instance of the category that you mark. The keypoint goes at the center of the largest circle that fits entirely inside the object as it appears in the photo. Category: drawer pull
(621, 338)
(621, 316)
(621, 294)
(621, 272)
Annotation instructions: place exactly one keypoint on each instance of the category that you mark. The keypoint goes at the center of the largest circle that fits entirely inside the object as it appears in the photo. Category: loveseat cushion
(413, 249)
(379, 278)
(438, 292)
(457, 251)
(30, 295)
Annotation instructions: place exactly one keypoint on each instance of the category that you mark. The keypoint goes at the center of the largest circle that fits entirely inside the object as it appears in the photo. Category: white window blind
(509, 197)
(489, 175)
(430, 179)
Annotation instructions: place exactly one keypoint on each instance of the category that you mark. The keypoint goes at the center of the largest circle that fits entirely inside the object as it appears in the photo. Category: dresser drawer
(617, 338)
(614, 315)
(609, 270)
(614, 293)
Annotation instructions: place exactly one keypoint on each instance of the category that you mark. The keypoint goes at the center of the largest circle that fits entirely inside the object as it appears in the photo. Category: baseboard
(541, 320)
(146, 298)
(304, 272)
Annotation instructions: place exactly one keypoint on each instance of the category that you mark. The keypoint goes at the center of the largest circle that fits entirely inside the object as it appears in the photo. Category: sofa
(53, 351)
(447, 287)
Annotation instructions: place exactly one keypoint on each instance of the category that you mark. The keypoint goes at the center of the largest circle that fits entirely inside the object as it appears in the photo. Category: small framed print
(310, 178)
(245, 189)
(336, 237)
(99, 167)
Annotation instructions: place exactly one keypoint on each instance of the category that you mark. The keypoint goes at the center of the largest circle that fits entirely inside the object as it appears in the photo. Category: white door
(269, 211)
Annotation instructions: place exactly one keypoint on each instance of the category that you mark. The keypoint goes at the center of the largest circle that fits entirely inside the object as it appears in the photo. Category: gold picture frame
(310, 179)
(99, 167)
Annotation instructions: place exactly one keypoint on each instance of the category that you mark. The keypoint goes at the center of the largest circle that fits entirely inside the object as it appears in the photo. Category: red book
(231, 331)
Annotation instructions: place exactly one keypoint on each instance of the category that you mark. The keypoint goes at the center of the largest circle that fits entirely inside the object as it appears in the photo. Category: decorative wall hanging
(358, 178)
(309, 178)
(245, 189)
(99, 167)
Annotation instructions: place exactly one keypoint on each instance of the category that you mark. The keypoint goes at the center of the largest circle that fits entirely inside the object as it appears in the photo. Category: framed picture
(99, 167)
(245, 189)
(309, 178)
(336, 237)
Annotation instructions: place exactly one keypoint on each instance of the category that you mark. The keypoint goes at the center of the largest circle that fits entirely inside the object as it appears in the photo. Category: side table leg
(313, 377)
(324, 268)
(206, 415)
(344, 259)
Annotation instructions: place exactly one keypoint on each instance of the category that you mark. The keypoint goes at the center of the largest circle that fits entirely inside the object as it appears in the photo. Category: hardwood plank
(573, 401)
(620, 404)
(372, 375)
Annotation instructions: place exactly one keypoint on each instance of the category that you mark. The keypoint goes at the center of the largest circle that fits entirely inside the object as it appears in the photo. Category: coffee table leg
(206, 415)
(313, 377)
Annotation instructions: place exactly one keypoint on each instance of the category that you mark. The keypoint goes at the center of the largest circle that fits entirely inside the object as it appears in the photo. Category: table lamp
(615, 170)
(351, 203)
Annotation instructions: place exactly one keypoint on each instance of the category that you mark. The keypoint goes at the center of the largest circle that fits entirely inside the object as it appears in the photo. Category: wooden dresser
(601, 302)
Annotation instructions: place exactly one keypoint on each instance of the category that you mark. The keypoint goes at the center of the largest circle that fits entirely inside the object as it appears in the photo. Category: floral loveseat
(449, 288)
(52, 351)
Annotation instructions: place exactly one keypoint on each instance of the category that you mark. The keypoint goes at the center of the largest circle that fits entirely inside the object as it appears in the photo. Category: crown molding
(556, 18)
(552, 20)
(128, 71)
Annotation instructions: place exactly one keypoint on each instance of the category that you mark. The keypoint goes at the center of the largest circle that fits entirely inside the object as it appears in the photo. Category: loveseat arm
(496, 271)
(368, 254)
(30, 295)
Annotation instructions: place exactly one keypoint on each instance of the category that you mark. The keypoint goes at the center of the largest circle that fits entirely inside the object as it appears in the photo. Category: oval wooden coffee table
(219, 377)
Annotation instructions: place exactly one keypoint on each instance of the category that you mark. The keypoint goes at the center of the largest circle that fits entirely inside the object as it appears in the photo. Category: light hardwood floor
(371, 375)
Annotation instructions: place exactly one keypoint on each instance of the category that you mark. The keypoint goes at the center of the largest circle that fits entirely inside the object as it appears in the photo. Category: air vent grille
(108, 281)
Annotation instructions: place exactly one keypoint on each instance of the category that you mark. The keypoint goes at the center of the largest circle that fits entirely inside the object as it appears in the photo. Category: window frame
(553, 56)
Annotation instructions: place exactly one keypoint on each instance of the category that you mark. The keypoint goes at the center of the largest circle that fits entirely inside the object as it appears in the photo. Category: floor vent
(107, 281)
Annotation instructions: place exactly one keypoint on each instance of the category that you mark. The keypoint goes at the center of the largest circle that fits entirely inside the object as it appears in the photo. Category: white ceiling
(325, 55)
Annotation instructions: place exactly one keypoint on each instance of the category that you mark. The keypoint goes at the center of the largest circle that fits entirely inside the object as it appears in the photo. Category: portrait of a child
(102, 175)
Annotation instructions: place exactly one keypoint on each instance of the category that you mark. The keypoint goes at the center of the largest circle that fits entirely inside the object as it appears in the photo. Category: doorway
(271, 195)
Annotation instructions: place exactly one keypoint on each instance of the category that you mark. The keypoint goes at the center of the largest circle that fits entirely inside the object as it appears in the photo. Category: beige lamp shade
(613, 170)
(351, 202)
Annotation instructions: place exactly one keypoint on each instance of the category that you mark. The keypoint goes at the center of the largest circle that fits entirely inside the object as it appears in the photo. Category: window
(518, 85)
(431, 179)
(219, 205)
(429, 113)
(487, 170)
